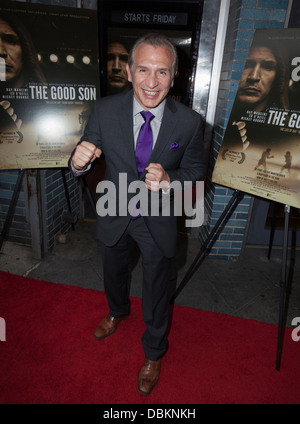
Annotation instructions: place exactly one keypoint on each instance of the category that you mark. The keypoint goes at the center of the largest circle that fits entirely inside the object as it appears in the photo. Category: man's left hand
(156, 177)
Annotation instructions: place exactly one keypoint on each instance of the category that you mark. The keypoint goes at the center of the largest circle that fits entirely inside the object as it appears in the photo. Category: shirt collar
(157, 111)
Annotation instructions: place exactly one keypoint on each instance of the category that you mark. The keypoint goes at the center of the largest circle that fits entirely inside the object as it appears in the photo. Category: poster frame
(48, 97)
(253, 154)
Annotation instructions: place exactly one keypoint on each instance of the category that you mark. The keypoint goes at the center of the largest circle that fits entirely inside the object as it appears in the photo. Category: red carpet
(51, 357)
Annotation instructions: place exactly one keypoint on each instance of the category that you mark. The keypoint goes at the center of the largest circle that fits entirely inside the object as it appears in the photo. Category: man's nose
(152, 80)
(2, 49)
(255, 73)
(116, 63)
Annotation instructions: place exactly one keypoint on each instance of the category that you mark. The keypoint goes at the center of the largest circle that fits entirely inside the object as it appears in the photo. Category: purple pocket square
(173, 146)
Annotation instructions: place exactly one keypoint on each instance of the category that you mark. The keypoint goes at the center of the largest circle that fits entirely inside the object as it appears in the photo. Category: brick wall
(54, 203)
(245, 17)
(19, 227)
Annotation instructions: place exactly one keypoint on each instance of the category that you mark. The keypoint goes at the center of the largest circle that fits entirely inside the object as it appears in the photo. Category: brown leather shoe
(148, 376)
(108, 326)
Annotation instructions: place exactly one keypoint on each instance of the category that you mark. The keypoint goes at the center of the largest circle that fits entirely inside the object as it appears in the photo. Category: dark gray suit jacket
(110, 127)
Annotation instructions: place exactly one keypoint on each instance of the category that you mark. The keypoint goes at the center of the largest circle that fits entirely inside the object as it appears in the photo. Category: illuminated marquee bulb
(70, 58)
(53, 58)
(86, 60)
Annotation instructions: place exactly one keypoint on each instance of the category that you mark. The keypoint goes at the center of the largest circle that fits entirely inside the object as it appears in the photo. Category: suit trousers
(156, 284)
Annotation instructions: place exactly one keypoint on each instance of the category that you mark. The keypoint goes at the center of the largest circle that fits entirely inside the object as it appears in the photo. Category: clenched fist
(85, 154)
(156, 177)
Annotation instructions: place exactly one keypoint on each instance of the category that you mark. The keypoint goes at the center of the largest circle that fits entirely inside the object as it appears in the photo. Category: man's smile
(150, 93)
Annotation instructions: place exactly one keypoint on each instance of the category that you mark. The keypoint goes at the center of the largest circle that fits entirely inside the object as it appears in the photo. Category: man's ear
(175, 75)
(128, 73)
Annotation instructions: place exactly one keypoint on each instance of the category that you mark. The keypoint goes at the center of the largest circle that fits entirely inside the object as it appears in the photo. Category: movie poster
(49, 79)
(260, 153)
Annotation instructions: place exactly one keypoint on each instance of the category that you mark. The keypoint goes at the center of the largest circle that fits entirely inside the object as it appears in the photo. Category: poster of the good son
(260, 153)
(49, 75)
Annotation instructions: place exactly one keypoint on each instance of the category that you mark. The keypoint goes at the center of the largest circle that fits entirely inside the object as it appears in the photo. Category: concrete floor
(248, 287)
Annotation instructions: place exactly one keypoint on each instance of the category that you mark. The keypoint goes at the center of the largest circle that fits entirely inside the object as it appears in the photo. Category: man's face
(10, 50)
(117, 57)
(257, 78)
(151, 75)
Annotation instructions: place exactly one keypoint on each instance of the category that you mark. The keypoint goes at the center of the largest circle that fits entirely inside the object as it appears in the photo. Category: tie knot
(147, 115)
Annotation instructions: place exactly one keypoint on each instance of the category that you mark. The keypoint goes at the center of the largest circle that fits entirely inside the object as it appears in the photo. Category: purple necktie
(144, 143)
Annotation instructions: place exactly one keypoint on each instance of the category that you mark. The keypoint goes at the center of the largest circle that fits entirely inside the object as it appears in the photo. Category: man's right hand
(85, 154)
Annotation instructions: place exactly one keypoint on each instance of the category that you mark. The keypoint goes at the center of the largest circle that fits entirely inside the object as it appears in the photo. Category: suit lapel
(126, 122)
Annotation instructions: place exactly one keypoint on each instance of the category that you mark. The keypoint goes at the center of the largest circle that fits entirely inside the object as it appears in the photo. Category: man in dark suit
(176, 155)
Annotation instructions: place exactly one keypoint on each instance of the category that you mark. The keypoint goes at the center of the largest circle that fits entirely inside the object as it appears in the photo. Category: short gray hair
(155, 40)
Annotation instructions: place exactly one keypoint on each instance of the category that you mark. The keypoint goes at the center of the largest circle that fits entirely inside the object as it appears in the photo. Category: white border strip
(217, 61)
